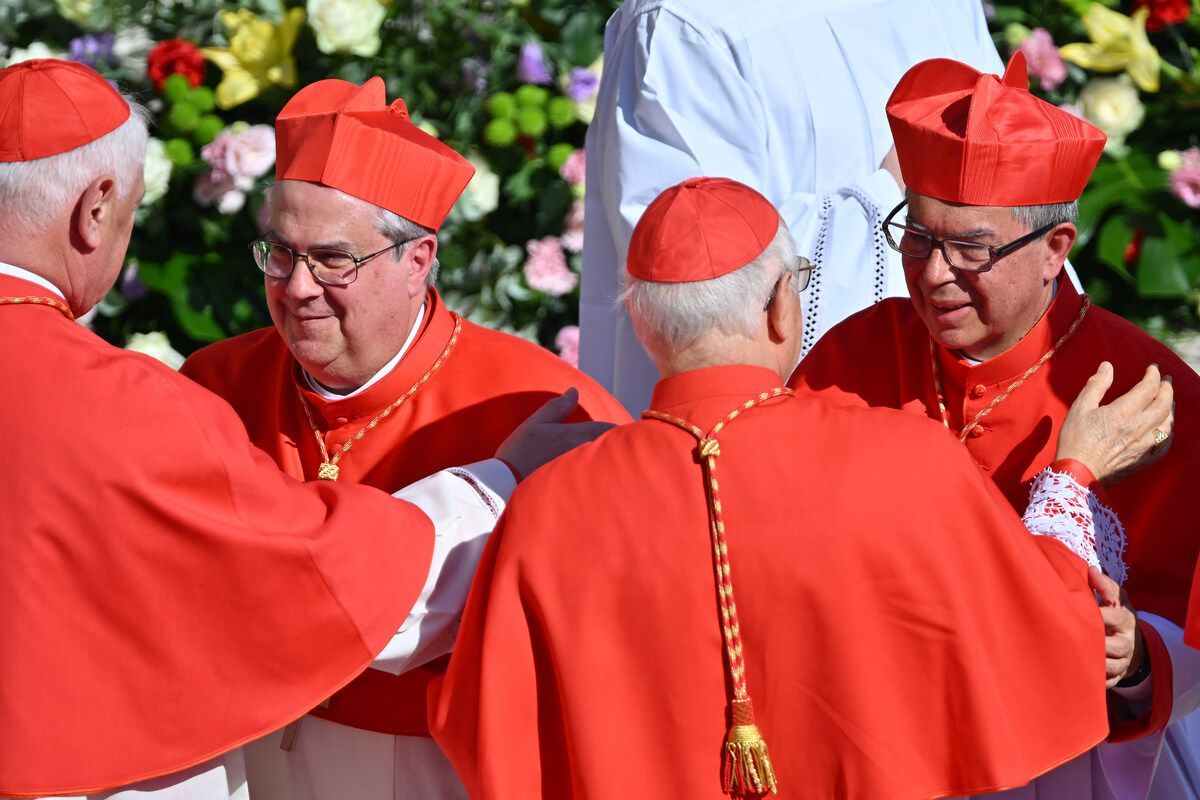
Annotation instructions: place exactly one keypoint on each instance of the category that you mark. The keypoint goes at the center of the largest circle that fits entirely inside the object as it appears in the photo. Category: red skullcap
(701, 229)
(347, 137)
(963, 136)
(48, 106)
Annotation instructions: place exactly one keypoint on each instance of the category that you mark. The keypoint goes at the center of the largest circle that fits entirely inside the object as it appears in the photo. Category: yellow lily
(1118, 43)
(258, 57)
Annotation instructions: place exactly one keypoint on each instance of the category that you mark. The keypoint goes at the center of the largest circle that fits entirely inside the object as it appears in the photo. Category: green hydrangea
(500, 133)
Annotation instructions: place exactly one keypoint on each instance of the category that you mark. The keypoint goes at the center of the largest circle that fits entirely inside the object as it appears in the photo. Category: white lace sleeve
(1062, 507)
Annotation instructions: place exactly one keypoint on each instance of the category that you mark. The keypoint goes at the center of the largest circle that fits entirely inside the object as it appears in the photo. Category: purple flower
(131, 287)
(583, 84)
(474, 73)
(93, 49)
(532, 66)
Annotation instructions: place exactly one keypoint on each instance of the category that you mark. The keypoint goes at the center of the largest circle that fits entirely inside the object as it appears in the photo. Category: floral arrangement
(511, 85)
(1129, 68)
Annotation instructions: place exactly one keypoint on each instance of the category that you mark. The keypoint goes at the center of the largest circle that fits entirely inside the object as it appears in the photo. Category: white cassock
(786, 96)
(332, 761)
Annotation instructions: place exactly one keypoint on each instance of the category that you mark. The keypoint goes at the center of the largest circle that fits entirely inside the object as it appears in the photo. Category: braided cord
(37, 300)
(709, 448)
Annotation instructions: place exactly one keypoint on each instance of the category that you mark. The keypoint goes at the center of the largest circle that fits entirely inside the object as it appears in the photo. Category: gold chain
(39, 301)
(328, 471)
(941, 397)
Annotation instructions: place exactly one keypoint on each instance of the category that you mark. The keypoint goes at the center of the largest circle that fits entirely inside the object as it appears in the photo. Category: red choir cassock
(895, 635)
(166, 594)
(968, 138)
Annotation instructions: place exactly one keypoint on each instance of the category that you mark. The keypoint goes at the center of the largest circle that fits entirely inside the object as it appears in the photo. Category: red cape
(903, 639)
(487, 386)
(880, 357)
(166, 594)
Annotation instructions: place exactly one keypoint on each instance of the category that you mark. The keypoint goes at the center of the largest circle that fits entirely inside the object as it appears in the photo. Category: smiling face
(342, 335)
(984, 313)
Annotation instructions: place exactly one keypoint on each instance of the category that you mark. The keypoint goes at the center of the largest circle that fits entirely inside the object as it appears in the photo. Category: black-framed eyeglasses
(965, 256)
(329, 266)
(803, 272)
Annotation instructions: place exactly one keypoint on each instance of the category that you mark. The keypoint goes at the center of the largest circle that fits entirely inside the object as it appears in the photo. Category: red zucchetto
(347, 137)
(963, 136)
(48, 106)
(701, 229)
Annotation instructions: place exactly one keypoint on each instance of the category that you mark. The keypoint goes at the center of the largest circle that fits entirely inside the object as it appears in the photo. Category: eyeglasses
(328, 266)
(965, 256)
(803, 272)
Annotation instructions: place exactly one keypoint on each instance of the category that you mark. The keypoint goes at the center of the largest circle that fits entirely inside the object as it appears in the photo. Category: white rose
(346, 26)
(35, 50)
(482, 194)
(1113, 106)
(131, 47)
(157, 171)
(155, 345)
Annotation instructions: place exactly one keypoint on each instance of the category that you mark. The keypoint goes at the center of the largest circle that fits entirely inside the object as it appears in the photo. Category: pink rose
(567, 342)
(572, 238)
(247, 153)
(1185, 180)
(214, 188)
(1045, 64)
(574, 169)
(546, 268)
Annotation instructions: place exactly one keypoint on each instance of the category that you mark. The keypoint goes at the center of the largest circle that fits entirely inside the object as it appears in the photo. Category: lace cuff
(1061, 507)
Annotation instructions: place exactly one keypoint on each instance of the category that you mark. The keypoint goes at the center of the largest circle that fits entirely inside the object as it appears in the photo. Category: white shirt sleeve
(464, 504)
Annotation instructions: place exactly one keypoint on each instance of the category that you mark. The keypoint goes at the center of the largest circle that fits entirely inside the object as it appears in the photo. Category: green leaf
(1115, 236)
(1161, 272)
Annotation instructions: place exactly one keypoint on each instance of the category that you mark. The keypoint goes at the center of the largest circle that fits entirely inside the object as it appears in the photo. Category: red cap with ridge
(963, 136)
(701, 229)
(347, 137)
(48, 106)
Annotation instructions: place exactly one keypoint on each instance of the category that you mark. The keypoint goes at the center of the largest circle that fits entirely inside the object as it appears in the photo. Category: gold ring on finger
(1160, 437)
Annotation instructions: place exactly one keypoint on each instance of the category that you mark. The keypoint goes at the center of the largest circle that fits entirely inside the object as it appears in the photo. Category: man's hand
(1124, 648)
(1119, 438)
(544, 436)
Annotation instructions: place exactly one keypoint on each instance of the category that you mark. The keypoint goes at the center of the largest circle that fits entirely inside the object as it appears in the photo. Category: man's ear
(421, 253)
(1059, 242)
(782, 310)
(95, 204)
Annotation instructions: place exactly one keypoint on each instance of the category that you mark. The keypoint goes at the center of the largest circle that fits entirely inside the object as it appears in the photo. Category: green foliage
(455, 64)
(1137, 251)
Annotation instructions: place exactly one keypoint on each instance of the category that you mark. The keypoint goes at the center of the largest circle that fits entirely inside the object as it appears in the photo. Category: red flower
(1164, 12)
(175, 56)
(1133, 250)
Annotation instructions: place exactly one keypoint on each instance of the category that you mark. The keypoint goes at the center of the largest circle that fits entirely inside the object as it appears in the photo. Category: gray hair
(401, 231)
(36, 192)
(675, 314)
(1035, 217)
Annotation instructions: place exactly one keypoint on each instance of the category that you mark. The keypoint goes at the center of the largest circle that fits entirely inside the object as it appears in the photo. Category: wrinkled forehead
(302, 207)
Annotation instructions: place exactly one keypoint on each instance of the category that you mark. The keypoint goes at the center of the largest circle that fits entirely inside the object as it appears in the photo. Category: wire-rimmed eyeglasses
(328, 265)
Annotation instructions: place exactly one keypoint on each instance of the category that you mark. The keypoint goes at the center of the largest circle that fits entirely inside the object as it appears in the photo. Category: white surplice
(786, 96)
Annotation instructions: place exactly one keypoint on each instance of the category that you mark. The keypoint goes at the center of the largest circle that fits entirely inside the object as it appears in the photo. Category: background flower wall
(512, 86)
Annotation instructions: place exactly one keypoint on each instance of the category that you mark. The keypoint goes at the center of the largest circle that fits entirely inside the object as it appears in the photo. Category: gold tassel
(747, 769)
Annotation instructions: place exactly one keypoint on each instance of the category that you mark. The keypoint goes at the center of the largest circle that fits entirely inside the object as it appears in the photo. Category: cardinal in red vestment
(994, 346)
(368, 377)
(166, 592)
(748, 592)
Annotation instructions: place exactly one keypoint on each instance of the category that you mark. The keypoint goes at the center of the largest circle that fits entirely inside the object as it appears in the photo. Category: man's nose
(936, 270)
(302, 284)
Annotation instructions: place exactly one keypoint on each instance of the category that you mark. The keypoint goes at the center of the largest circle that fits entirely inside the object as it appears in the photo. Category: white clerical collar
(24, 274)
(378, 376)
